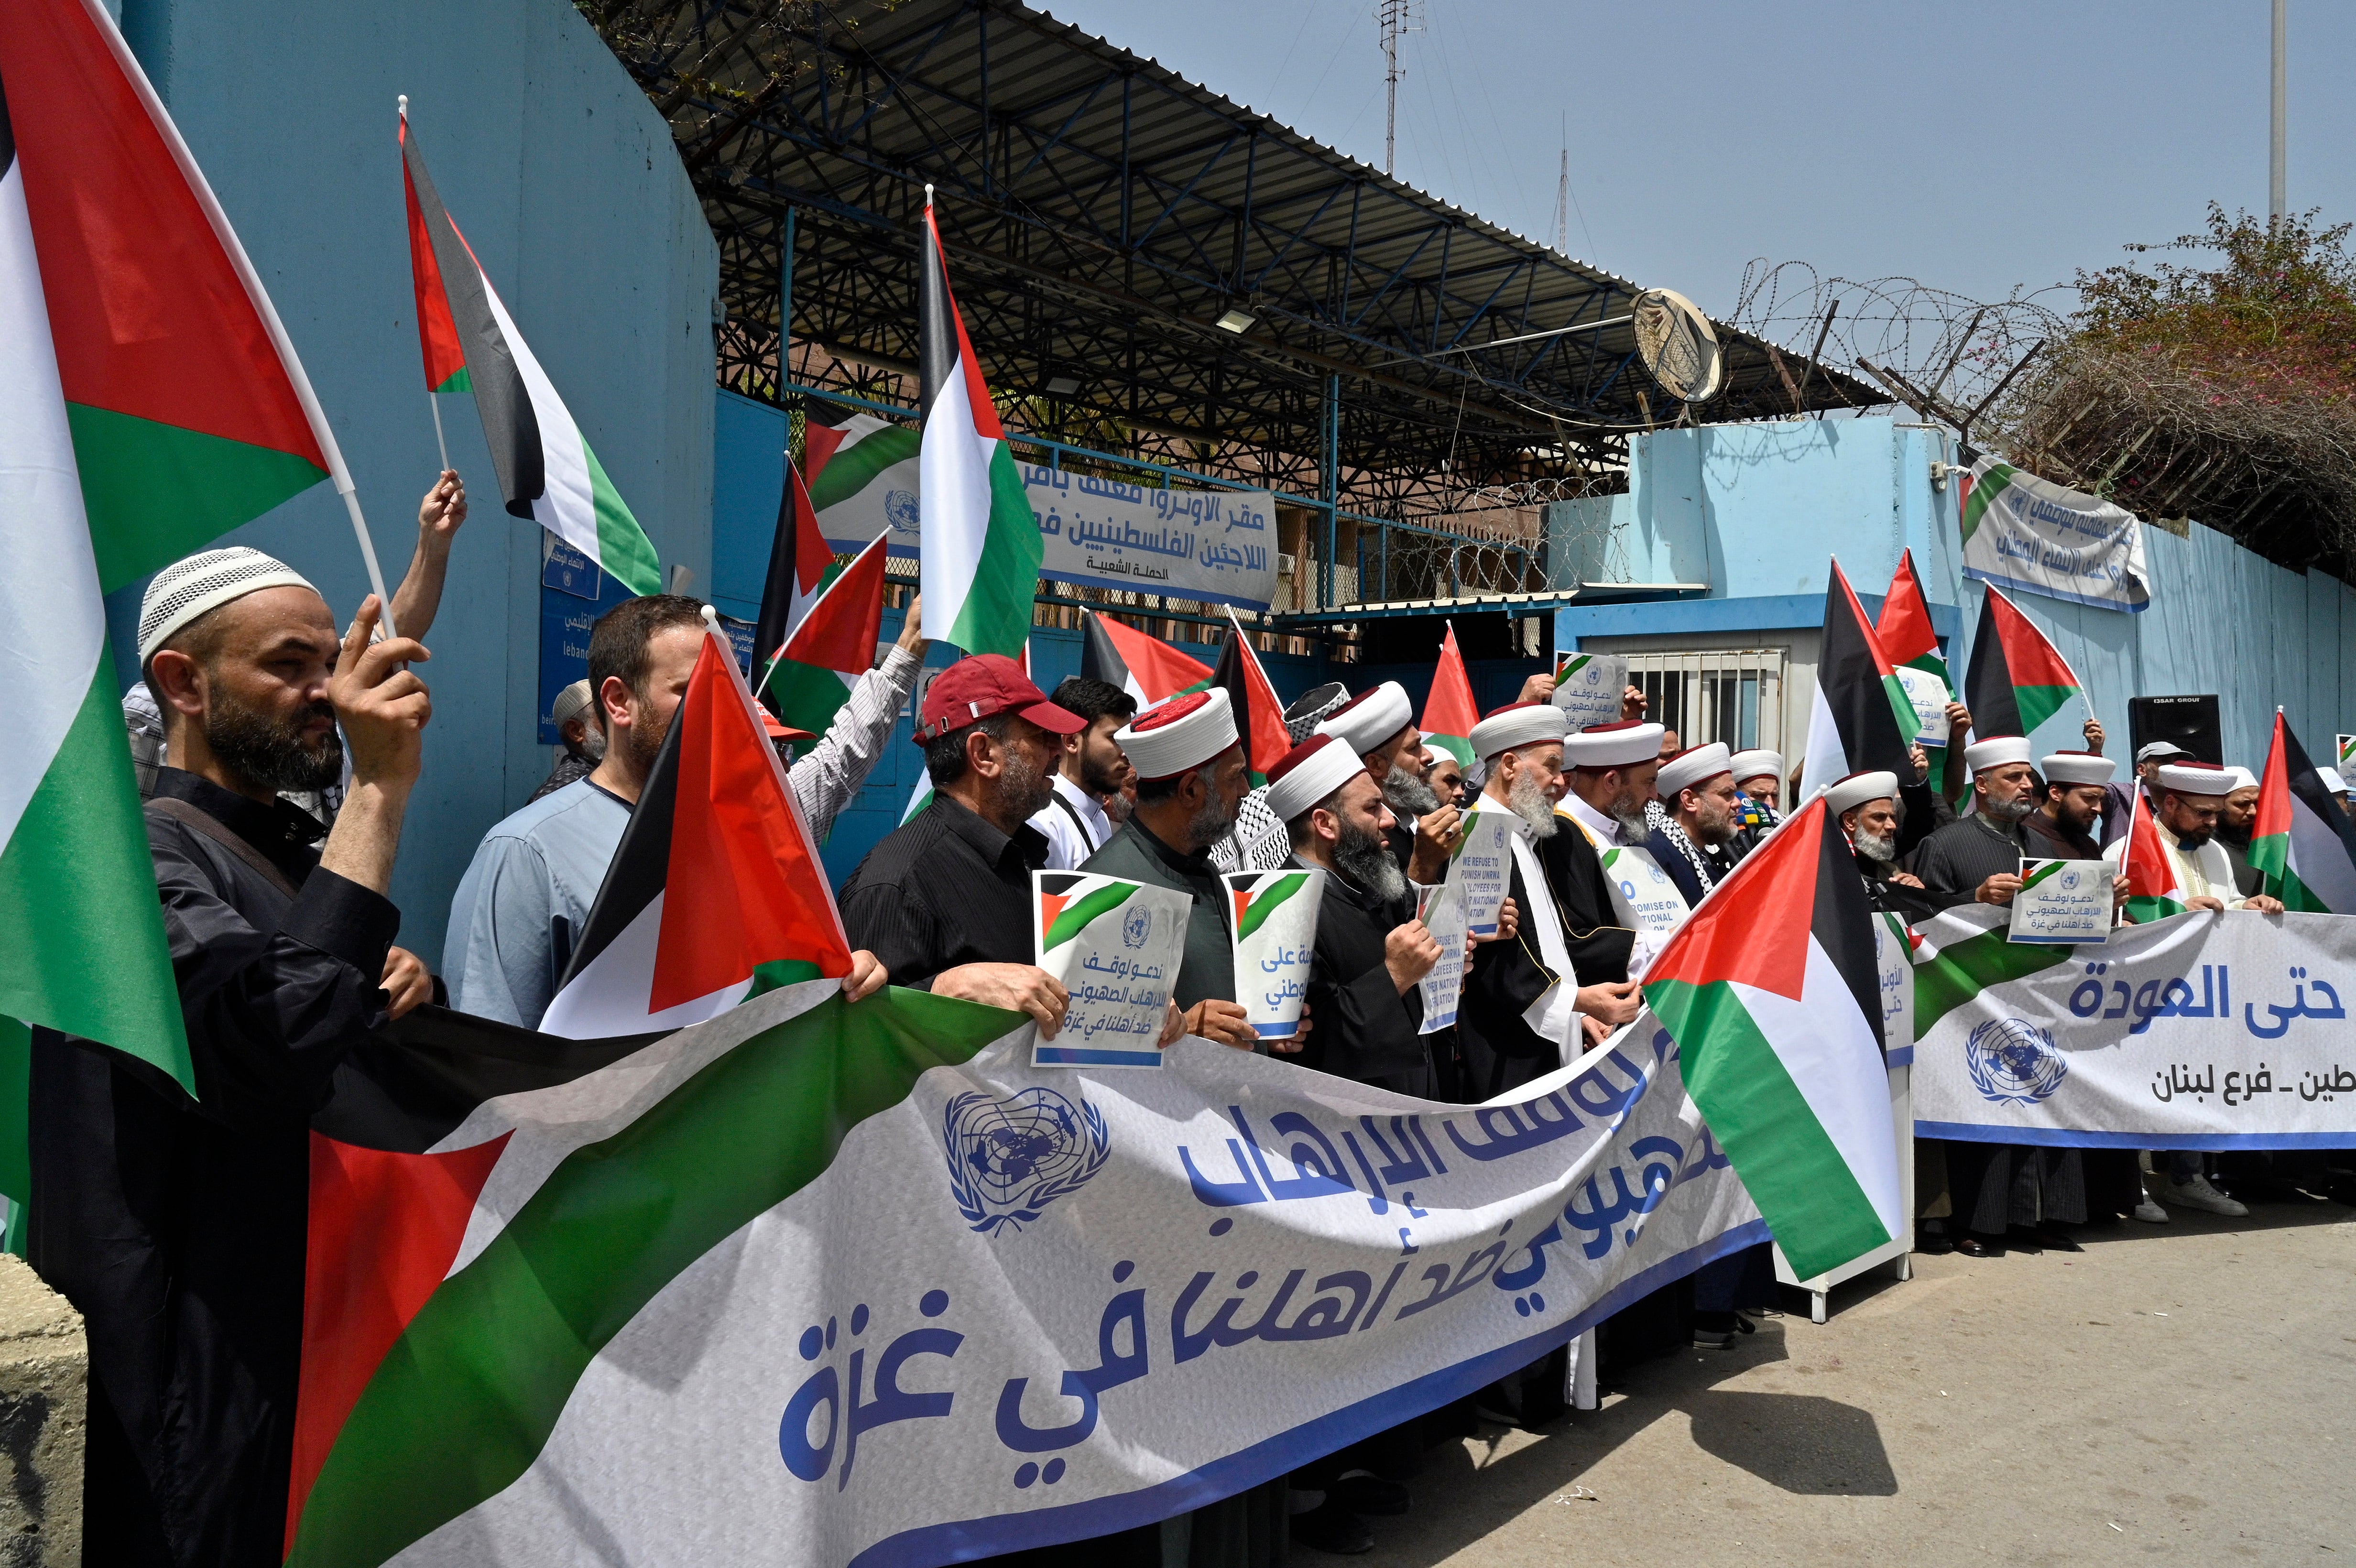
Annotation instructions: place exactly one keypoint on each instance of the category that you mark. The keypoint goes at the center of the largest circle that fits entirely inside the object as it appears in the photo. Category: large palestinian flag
(863, 480)
(149, 402)
(1148, 669)
(477, 1240)
(546, 470)
(807, 677)
(2302, 843)
(1259, 712)
(716, 893)
(981, 547)
(2016, 679)
(1772, 992)
(1448, 712)
(1860, 721)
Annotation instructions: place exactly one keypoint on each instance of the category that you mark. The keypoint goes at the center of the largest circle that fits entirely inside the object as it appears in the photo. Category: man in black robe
(176, 1226)
(2003, 1194)
(1695, 824)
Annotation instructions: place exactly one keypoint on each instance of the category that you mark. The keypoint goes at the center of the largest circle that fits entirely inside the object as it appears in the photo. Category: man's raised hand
(381, 704)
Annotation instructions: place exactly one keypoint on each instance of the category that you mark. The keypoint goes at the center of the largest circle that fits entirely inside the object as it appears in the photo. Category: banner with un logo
(2202, 1031)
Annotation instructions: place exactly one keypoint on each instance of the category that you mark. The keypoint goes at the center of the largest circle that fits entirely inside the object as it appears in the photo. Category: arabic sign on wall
(2202, 1031)
(1216, 545)
(2021, 532)
(1025, 1306)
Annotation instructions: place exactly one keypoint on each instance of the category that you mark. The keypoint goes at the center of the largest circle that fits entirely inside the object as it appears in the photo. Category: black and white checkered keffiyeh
(1658, 816)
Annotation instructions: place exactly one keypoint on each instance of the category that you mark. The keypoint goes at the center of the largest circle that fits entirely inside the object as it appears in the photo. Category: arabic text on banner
(1024, 1307)
(2200, 1031)
(1588, 688)
(1216, 545)
(2063, 903)
(2021, 532)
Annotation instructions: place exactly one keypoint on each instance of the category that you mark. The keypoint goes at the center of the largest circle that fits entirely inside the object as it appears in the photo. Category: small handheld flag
(1259, 712)
(2155, 891)
(1862, 720)
(2302, 843)
(2016, 679)
(1448, 713)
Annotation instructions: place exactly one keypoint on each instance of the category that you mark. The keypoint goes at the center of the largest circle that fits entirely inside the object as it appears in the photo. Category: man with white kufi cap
(1527, 1007)
(575, 714)
(1191, 778)
(2062, 825)
(1866, 808)
(1604, 873)
(1978, 859)
(1379, 725)
(177, 1228)
(2234, 827)
(1259, 841)
(2188, 800)
(1691, 836)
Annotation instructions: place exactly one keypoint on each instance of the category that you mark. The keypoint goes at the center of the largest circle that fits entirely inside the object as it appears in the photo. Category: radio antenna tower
(1397, 16)
(1562, 194)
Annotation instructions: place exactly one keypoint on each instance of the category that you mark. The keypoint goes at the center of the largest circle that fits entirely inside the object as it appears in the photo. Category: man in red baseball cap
(944, 901)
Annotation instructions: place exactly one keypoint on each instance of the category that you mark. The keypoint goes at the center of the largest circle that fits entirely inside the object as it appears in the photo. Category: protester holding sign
(1378, 724)
(945, 902)
(1978, 857)
(1615, 917)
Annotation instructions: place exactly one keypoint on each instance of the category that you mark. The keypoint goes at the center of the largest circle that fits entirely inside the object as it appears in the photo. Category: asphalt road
(2181, 1392)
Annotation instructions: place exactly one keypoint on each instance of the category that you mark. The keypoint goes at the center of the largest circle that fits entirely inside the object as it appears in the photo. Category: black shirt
(1955, 860)
(942, 889)
(1368, 1031)
(176, 1226)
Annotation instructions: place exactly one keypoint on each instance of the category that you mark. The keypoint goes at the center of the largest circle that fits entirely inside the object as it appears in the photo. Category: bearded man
(1978, 859)
(527, 895)
(1693, 822)
(176, 1225)
(1378, 724)
(1527, 1007)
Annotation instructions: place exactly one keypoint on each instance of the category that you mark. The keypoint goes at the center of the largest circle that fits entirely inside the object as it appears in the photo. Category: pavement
(2179, 1392)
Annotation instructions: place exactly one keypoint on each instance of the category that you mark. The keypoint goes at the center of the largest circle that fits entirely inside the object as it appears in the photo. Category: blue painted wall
(568, 186)
(1762, 508)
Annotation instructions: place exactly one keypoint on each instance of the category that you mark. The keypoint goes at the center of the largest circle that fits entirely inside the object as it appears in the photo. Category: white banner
(2202, 1031)
(2021, 532)
(1025, 1306)
(1215, 545)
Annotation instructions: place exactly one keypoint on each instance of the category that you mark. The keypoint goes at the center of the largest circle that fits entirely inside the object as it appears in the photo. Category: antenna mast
(1397, 16)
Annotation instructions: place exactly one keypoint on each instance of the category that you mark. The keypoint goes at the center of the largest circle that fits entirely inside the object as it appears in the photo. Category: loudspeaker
(2189, 721)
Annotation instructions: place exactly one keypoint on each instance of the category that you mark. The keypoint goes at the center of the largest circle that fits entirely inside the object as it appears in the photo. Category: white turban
(1996, 751)
(1519, 724)
(1371, 718)
(2078, 768)
(1616, 745)
(204, 582)
(1184, 733)
(1858, 788)
(2191, 777)
(2244, 779)
(2332, 781)
(1309, 773)
(1758, 764)
(1691, 768)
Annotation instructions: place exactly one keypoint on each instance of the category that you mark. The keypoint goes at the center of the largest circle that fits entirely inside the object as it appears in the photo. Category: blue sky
(1973, 147)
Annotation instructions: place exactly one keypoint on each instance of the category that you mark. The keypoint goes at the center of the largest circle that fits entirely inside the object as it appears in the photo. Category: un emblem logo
(901, 506)
(1010, 1158)
(1137, 928)
(2013, 1062)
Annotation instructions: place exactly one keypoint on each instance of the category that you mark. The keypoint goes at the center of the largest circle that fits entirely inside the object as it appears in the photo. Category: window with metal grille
(1734, 695)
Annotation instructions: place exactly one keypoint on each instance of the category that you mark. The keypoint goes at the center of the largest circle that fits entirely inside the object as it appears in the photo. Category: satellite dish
(1674, 340)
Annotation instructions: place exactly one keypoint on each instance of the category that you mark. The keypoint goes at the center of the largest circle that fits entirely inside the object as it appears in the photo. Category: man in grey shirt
(526, 897)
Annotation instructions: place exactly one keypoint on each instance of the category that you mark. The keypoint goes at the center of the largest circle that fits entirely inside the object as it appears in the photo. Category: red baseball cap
(976, 689)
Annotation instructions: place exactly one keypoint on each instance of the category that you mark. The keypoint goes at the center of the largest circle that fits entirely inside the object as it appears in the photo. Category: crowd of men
(178, 1227)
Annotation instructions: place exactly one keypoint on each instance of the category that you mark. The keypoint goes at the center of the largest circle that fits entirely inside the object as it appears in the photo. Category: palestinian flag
(863, 478)
(2302, 842)
(1778, 1025)
(809, 675)
(800, 563)
(2154, 889)
(717, 823)
(1861, 719)
(982, 548)
(1959, 952)
(1448, 712)
(149, 402)
(477, 1238)
(1259, 712)
(1904, 628)
(2017, 679)
(546, 469)
(1148, 669)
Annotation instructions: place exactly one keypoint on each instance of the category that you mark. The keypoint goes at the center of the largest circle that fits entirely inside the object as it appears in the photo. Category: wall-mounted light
(1236, 320)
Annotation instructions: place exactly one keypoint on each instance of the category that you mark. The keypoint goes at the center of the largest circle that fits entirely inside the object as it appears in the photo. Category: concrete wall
(44, 1404)
(1763, 508)
(568, 186)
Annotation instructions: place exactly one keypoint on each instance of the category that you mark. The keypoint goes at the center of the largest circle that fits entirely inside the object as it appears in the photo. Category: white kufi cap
(1184, 733)
(1996, 751)
(2078, 768)
(204, 582)
(1691, 767)
(1858, 788)
(2190, 777)
(1309, 773)
(1519, 724)
(1615, 745)
(1758, 764)
(1371, 718)
(2245, 779)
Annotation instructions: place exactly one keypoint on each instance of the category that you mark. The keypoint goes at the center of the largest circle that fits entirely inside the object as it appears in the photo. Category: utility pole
(2277, 185)
(1562, 195)
(1399, 16)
